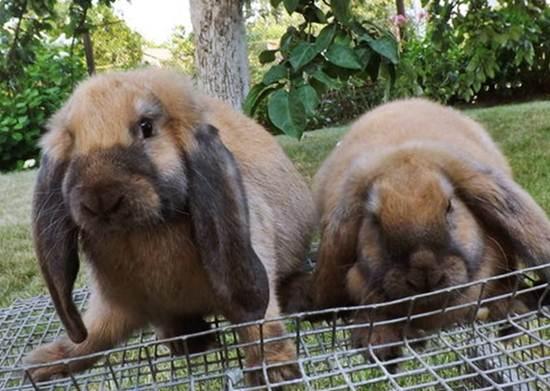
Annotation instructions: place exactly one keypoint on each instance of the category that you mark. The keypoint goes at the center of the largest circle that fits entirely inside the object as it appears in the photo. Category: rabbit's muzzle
(425, 273)
(102, 202)
(113, 190)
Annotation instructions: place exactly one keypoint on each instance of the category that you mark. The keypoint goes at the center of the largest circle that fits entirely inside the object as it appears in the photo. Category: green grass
(522, 130)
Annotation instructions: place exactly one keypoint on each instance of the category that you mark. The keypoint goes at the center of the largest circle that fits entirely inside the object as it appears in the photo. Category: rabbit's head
(416, 220)
(417, 234)
(121, 137)
(129, 151)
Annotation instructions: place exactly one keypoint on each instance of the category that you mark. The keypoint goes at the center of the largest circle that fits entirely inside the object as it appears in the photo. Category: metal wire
(511, 354)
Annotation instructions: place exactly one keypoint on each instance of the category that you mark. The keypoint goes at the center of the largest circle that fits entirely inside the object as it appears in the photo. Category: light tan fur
(398, 174)
(153, 275)
(415, 122)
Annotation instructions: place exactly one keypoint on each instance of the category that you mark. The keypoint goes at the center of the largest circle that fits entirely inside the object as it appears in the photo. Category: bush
(341, 106)
(336, 107)
(457, 51)
(41, 89)
(329, 51)
(472, 48)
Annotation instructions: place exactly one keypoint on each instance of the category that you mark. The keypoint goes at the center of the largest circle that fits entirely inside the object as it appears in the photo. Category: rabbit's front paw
(280, 362)
(45, 354)
(378, 339)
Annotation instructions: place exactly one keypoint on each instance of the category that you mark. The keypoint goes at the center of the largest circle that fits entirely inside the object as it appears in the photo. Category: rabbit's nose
(425, 273)
(426, 279)
(102, 201)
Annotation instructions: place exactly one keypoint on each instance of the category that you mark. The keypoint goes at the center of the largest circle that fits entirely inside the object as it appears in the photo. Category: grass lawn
(523, 131)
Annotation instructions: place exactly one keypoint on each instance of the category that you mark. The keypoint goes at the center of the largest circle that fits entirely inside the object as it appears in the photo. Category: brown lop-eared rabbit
(182, 207)
(416, 198)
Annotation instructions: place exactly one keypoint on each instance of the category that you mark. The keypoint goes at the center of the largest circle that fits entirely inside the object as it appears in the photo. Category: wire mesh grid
(511, 353)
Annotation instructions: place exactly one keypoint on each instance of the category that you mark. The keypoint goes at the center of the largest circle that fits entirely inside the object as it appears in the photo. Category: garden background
(313, 66)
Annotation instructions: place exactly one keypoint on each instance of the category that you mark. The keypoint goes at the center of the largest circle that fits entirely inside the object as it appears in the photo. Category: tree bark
(400, 6)
(89, 52)
(20, 15)
(220, 49)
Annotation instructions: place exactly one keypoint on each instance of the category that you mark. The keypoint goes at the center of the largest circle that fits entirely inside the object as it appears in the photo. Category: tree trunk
(15, 42)
(220, 49)
(400, 6)
(89, 52)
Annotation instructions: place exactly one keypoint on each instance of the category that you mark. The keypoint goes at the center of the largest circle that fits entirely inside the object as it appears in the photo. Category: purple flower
(399, 20)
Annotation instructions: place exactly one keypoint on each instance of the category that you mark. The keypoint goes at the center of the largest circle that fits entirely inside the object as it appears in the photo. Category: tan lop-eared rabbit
(182, 207)
(416, 198)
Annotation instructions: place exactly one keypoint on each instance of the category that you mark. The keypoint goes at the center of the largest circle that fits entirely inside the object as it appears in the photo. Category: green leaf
(275, 3)
(302, 54)
(325, 37)
(387, 71)
(287, 113)
(309, 98)
(386, 46)
(342, 38)
(291, 5)
(319, 87)
(473, 64)
(321, 17)
(267, 56)
(287, 39)
(341, 10)
(274, 74)
(321, 76)
(312, 14)
(490, 69)
(256, 94)
(337, 72)
(364, 55)
(343, 56)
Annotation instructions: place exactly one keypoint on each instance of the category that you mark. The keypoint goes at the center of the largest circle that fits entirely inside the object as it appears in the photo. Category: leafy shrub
(116, 46)
(474, 48)
(42, 88)
(337, 106)
(327, 52)
(182, 51)
(340, 106)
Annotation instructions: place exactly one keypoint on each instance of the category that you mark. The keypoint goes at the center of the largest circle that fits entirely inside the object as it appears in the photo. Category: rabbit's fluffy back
(392, 126)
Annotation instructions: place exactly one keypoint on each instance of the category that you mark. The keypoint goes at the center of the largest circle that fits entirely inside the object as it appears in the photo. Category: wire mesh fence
(477, 353)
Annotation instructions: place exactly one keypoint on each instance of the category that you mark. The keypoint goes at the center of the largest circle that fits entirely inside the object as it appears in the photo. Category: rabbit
(182, 207)
(417, 197)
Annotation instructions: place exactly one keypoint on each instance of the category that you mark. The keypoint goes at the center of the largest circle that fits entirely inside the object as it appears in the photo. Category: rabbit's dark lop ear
(221, 226)
(337, 253)
(56, 243)
(506, 209)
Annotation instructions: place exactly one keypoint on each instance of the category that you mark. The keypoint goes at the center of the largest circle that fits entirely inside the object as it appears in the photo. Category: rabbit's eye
(146, 127)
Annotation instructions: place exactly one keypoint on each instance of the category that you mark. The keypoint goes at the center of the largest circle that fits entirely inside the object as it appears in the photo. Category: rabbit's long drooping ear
(221, 225)
(337, 253)
(56, 244)
(504, 207)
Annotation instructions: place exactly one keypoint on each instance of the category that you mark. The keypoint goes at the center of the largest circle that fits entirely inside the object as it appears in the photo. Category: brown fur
(152, 273)
(413, 173)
